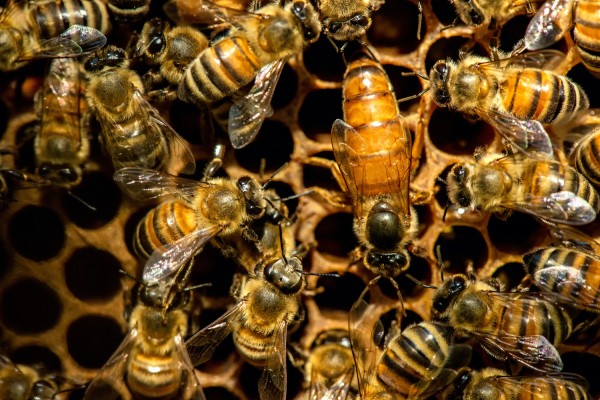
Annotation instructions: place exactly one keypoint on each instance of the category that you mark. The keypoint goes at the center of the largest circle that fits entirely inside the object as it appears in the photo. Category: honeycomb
(62, 298)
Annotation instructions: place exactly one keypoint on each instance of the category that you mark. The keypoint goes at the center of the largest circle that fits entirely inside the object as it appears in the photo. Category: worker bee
(555, 17)
(513, 94)
(62, 143)
(572, 274)
(152, 360)
(255, 48)
(134, 133)
(522, 327)
(415, 363)
(533, 183)
(50, 28)
(268, 301)
(346, 20)
(167, 51)
(486, 12)
(329, 368)
(495, 384)
(128, 11)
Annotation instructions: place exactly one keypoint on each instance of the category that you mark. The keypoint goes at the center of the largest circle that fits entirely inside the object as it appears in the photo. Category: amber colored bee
(152, 360)
(495, 384)
(533, 183)
(484, 12)
(346, 20)
(128, 11)
(134, 133)
(572, 274)
(268, 301)
(523, 327)
(556, 17)
(62, 142)
(167, 50)
(256, 48)
(50, 28)
(513, 94)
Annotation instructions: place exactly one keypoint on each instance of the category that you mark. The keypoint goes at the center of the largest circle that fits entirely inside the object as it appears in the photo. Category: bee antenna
(273, 175)
(414, 96)
(261, 168)
(413, 73)
(438, 253)
(395, 284)
(446, 211)
(281, 243)
(330, 274)
(128, 275)
(79, 199)
(201, 285)
(295, 196)
(418, 282)
(440, 180)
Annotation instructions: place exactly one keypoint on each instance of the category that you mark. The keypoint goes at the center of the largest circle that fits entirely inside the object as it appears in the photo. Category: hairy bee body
(345, 20)
(478, 12)
(128, 11)
(21, 382)
(587, 34)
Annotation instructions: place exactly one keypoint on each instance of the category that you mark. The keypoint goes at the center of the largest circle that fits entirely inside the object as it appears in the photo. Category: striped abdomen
(163, 225)
(526, 317)
(586, 155)
(219, 71)
(416, 355)
(535, 388)
(152, 374)
(573, 274)
(587, 34)
(545, 178)
(541, 95)
(127, 11)
(370, 107)
(55, 16)
(253, 346)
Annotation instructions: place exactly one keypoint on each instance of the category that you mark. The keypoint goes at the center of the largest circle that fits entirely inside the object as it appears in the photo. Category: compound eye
(441, 69)
(91, 64)
(461, 173)
(157, 45)
(360, 20)
(68, 174)
(475, 17)
(44, 170)
(115, 55)
(299, 8)
(334, 27)
(457, 284)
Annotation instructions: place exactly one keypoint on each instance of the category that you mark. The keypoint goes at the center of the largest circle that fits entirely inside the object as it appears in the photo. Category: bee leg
(162, 95)
(297, 355)
(418, 196)
(238, 282)
(420, 21)
(217, 161)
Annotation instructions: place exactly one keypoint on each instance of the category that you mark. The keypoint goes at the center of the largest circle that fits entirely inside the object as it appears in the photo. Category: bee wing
(7, 364)
(165, 262)
(61, 94)
(339, 390)
(203, 343)
(525, 135)
(273, 381)
(144, 184)
(77, 40)
(113, 371)
(205, 12)
(364, 340)
(247, 115)
(567, 236)
(532, 387)
(343, 154)
(193, 390)
(561, 207)
(569, 285)
(548, 59)
(549, 24)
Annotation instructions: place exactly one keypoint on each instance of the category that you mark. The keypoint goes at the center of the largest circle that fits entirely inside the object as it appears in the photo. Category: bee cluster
(288, 177)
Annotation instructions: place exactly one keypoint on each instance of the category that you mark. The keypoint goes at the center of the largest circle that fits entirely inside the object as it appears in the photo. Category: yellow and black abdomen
(586, 154)
(54, 17)
(587, 34)
(254, 347)
(154, 375)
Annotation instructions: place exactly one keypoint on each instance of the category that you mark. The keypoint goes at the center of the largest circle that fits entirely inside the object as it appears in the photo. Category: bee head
(457, 182)
(387, 264)
(447, 293)
(153, 32)
(11, 41)
(285, 275)
(469, 12)
(439, 82)
(154, 295)
(61, 175)
(348, 29)
(254, 195)
(308, 17)
(460, 384)
(109, 56)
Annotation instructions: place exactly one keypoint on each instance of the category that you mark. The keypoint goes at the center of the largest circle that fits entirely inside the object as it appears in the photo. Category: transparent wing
(113, 372)
(568, 236)
(530, 387)
(247, 115)
(273, 381)
(6, 365)
(549, 24)
(542, 59)
(145, 184)
(343, 154)
(193, 390)
(165, 262)
(525, 135)
(339, 389)
(560, 207)
(366, 334)
(77, 40)
(203, 343)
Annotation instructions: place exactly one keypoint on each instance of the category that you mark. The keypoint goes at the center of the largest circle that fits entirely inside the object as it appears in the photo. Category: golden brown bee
(21, 382)
(329, 369)
(128, 11)
(346, 20)
(268, 301)
(167, 51)
(134, 133)
(484, 12)
(62, 143)
(523, 327)
(256, 48)
(572, 274)
(152, 360)
(50, 28)
(495, 384)
(556, 17)
(513, 94)
(533, 183)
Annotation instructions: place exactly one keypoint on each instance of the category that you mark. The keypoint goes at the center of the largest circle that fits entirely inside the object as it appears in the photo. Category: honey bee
(167, 51)
(268, 301)
(62, 143)
(329, 369)
(486, 12)
(372, 148)
(346, 20)
(128, 11)
(533, 183)
(416, 363)
(572, 274)
(555, 17)
(522, 327)
(152, 360)
(134, 133)
(21, 382)
(513, 94)
(495, 384)
(50, 28)
(256, 48)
